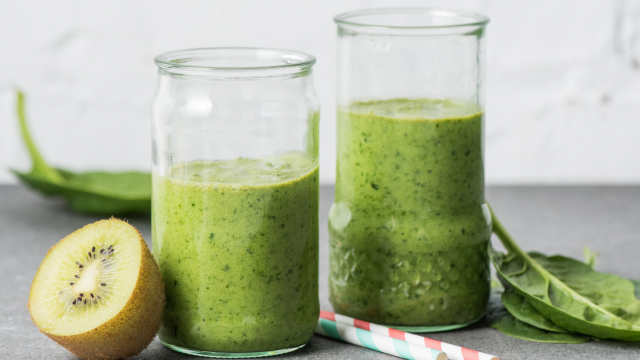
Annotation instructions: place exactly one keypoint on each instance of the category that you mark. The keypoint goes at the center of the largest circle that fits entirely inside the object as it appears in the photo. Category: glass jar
(409, 228)
(235, 200)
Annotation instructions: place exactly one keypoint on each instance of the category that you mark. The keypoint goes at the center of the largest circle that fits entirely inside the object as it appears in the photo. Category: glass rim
(344, 18)
(170, 61)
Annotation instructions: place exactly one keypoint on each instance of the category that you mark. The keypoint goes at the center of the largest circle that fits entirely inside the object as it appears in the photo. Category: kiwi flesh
(99, 292)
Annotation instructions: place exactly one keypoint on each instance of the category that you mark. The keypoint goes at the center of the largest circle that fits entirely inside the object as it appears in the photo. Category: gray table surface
(548, 219)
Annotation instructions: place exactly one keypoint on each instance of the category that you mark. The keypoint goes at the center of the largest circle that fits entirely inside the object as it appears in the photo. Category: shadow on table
(318, 348)
(618, 345)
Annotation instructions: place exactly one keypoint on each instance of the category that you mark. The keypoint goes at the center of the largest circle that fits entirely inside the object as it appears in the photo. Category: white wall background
(563, 78)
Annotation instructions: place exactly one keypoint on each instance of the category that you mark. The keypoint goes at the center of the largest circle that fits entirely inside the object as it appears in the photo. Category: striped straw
(377, 342)
(454, 352)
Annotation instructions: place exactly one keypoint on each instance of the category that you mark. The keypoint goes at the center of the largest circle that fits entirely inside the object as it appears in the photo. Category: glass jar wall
(409, 228)
(235, 200)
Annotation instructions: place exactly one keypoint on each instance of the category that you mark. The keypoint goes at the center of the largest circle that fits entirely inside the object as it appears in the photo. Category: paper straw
(453, 352)
(377, 342)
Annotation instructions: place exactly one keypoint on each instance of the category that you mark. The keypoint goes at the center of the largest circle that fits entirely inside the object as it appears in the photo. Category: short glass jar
(235, 200)
(409, 228)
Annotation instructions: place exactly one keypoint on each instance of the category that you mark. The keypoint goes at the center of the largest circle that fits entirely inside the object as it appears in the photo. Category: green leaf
(96, 192)
(40, 168)
(636, 290)
(509, 325)
(523, 311)
(569, 292)
(499, 318)
(496, 284)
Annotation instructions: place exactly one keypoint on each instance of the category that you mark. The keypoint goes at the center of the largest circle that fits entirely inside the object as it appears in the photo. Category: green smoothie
(409, 228)
(237, 245)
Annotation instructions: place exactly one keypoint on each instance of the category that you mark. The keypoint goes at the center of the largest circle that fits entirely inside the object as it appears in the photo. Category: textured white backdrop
(563, 78)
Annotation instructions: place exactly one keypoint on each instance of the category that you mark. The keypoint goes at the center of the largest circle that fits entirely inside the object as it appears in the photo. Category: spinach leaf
(523, 311)
(636, 284)
(91, 192)
(499, 318)
(569, 292)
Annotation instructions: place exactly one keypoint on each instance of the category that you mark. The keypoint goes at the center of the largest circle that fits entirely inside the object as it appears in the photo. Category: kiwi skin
(134, 327)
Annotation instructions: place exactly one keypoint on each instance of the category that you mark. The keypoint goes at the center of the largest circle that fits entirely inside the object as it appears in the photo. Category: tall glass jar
(409, 228)
(235, 200)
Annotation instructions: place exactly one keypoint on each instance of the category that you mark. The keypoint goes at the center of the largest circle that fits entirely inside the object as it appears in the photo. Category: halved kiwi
(99, 292)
